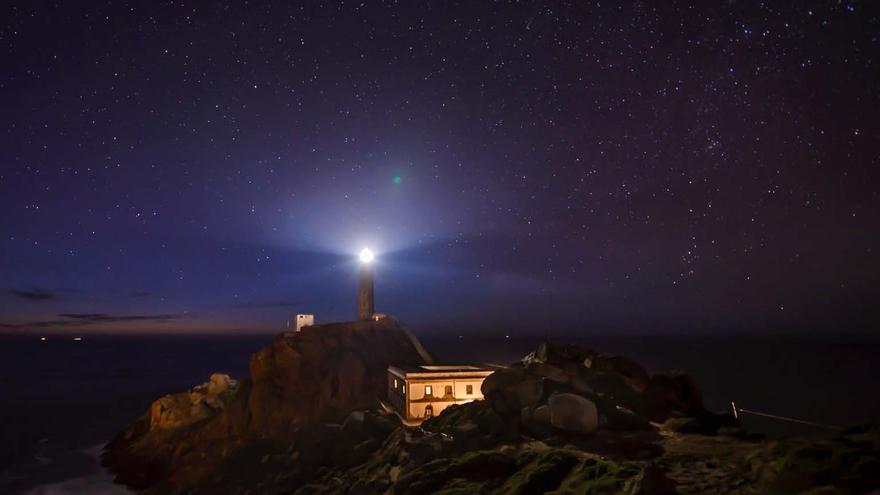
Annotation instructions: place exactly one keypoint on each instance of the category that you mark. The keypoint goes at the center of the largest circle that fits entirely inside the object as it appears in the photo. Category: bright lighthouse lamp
(366, 255)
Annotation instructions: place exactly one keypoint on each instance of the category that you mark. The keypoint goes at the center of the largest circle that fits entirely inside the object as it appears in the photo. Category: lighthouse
(365, 290)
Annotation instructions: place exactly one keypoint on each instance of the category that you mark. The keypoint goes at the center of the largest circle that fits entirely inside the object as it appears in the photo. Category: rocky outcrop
(423, 462)
(298, 385)
(201, 402)
(578, 390)
(324, 372)
(572, 413)
(563, 420)
(841, 462)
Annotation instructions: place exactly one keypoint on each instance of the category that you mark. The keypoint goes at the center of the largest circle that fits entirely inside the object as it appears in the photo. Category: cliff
(569, 420)
(564, 420)
(298, 384)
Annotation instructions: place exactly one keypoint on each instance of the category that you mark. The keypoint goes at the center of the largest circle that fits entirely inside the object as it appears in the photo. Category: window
(429, 411)
(448, 390)
(429, 390)
(470, 390)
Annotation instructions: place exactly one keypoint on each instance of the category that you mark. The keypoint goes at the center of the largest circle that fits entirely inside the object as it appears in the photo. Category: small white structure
(300, 321)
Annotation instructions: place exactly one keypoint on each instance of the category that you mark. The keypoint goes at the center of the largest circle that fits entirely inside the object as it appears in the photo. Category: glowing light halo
(366, 256)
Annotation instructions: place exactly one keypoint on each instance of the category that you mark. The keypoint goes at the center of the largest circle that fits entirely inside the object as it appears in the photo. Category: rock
(623, 419)
(380, 424)
(354, 423)
(555, 353)
(541, 415)
(573, 413)
(651, 481)
(529, 392)
(537, 422)
(618, 388)
(467, 428)
(637, 376)
(170, 411)
(509, 390)
(846, 461)
(221, 384)
(703, 424)
(548, 371)
(303, 423)
(612, 383)
(492, 428)
(499, 389)
(297, 384)
(394, 473)
(200, 403)
(219, 390)
(324, 372)
(543, 473)
(581, 387)
(672, 396)
(502, 379)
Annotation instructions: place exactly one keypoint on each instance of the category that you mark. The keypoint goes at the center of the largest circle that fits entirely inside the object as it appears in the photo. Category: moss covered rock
(848, 461)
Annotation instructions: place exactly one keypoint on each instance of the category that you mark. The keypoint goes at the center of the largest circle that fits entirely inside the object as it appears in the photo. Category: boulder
(627, 397)
(509, 390)
(555, 353)
(672, 396)
(217, 392)
(541, 415)
(548, 371)
(581, 387)
(616, 387)
(637, 376)
(537, 422)
(502, 379)
(529, 392)
(573, 413)
(200, 403)
(623, 419)
(500, 390)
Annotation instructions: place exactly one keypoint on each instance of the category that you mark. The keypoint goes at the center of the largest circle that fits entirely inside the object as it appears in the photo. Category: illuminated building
(419, 392)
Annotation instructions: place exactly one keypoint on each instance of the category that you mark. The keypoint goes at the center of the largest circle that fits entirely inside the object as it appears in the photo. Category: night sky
(519, 168)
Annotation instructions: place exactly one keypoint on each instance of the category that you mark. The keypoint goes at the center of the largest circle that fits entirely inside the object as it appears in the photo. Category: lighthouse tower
(365, 290)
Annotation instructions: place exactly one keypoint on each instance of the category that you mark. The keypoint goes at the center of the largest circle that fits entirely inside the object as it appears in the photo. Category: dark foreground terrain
(564, 419)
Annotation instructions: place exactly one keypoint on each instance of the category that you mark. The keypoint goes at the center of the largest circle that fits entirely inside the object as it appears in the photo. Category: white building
(300, 321)
(419, 392)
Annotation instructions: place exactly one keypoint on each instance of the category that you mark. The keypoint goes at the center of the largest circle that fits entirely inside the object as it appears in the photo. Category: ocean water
(62, 400)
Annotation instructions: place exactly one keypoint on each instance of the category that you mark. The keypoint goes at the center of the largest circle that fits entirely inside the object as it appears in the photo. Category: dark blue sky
(568, 167)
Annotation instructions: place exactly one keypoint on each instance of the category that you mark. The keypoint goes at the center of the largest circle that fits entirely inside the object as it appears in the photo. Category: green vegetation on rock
(849, 461)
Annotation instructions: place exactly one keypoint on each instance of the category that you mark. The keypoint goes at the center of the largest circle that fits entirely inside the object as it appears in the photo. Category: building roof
(441, 370)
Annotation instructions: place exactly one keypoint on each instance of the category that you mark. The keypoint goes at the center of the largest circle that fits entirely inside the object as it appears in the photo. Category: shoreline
(98, 481)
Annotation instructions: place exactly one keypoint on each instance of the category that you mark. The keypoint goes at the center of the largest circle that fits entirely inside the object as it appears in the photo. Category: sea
(62, 400)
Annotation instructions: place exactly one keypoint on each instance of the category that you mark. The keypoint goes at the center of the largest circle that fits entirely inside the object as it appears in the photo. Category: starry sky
(632, 167)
